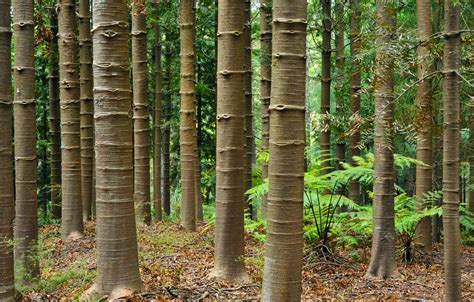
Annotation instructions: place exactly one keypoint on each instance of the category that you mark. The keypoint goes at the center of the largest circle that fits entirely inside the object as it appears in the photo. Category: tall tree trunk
(117, 252)
(229, 240)
(354, 94)
(72, 225)
(166, 126)
(141, 129)
(451, 141)
(7, 282)
(87, 107)
(187, 114)
(382, 261)
(26, 211)
(424, 150)
(54, 116)
(265, 81)
(339, 86)
(325, 140)
(157, 122)
(284, 245)
(249, 134)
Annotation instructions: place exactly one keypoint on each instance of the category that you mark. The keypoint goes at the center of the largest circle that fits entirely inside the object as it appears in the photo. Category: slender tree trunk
(54, 116)
(424, 150)
(197, 170)
(451, 135)
(166, 127)
(354, 94)
(339, 86)
(44, 161)
(199, 198)
(249, 134)
(284, 245)
(265, 81)
(382, 262)
(141, 129)
(87, 107)
(71, 224)
(229, 240)
(26, 207)
(117, 252)
(7, 282)
(325, 139)
(157, 122)
(187, 114)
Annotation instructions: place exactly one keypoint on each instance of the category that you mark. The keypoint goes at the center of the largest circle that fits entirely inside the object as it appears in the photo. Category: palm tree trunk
(140, 113)
(229, 238)
(284, 245)
(54, 116)
(87, 107)
(166, 127)
(157, 123)
(117, 252)
(7, 282)
(26, 211)
(354, 94)
(71, 224)
(325, 139)
(382, 261)
(265, 81)
(339, 86)
(249, 134)
(188, 114)
(424, 150)
(451, 141)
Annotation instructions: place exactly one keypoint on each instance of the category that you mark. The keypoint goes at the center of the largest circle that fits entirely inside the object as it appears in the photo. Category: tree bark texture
(26, 212)
(54, 115)
(339, 85)
(197, 181)
(249, 133)
(265, 82)
(383, 262)
(87, 107)
(354, 94)
(229, 238)
(117, 253)
(157, 123)
(451, 141)
(187, 114)
(166, 126)
(141, 129)
(284, 245)
(69, 93)
(325, 139)
(7, 282)
(424, 150)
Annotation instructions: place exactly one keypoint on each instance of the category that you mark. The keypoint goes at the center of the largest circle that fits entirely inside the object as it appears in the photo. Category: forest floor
(175, 266)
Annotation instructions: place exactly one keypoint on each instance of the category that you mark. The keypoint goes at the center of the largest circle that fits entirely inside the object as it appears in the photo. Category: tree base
(94, 293)
(235, 277)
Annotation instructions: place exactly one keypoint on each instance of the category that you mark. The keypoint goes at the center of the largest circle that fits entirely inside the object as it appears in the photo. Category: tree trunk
(7, 282)
(229, 240)
(424, 150)
(117, 252)
(71, 224)
(166, 126)
(284, 245)
(141, 129)
(451, 141)
(325, 140)
(157, 122)
(339, 86)
(265, 81)
(354, 94)
(187, 114)
(87, 107)
(382, 262)
(54, 116)
(249, 134)
(26, 211)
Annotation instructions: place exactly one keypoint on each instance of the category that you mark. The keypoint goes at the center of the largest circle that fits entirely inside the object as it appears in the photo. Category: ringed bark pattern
(117, 252)
(157, 201)
(282, 276)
